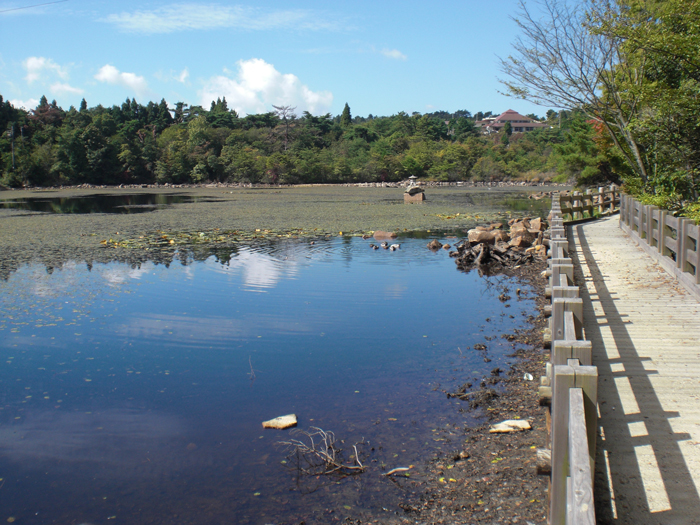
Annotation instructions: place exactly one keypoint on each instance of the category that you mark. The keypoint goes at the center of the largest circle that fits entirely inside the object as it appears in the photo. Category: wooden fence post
(559, 308)
(563, 378)
(581, 508)
(662, 232)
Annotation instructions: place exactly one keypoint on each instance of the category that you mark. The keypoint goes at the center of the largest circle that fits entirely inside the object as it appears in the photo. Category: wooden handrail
(571, 383)
(674, 242)
(602, 201)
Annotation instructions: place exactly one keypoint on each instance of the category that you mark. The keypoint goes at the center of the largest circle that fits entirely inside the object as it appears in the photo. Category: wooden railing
(592, 203)
(674, 242)
(570, 388)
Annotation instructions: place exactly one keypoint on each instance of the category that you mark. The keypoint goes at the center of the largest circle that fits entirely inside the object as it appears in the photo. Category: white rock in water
(512, 425)
(281, 422)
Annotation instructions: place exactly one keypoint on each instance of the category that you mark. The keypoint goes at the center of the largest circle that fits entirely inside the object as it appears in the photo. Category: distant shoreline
(402, 184)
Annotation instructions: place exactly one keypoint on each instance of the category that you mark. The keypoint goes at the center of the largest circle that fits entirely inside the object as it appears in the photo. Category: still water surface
(136, 395)
(134, 203)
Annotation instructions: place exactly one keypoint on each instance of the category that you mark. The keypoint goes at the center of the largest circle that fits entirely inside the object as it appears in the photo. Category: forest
(153, 143)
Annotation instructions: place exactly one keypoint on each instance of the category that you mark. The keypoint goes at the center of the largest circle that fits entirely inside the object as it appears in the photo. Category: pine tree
(83, 105)
(346, 117)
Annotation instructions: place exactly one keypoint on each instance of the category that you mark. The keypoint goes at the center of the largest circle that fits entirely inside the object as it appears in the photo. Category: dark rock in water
(380, 235)
(434, 244)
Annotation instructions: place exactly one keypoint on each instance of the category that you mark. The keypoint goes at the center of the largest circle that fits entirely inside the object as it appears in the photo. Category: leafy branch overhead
(632, 67)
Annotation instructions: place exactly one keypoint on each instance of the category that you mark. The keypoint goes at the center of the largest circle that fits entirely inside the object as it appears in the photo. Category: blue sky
(381, 57)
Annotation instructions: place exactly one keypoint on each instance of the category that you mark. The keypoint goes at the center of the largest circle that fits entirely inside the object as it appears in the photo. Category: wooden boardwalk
(645, 332)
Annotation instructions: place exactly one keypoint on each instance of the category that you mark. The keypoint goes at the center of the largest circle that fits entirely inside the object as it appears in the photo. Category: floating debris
(282, 422)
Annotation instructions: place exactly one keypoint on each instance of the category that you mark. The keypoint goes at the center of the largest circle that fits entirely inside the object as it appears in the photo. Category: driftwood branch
(316, 453)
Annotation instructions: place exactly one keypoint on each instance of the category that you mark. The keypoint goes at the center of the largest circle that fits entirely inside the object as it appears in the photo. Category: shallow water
(100, 203)
(137, 393)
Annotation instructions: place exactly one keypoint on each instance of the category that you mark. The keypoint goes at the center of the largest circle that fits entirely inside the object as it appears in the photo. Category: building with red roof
(518, 122)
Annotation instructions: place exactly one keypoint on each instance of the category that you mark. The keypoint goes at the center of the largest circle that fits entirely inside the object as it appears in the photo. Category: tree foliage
(152, 143)
(633, 68)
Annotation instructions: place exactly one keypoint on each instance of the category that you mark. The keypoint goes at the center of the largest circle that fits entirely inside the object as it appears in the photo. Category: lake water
(136, 394)
(98, 203)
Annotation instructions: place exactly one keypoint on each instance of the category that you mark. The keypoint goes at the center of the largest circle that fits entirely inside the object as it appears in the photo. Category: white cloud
(26, 104)
(173, 76)
(258, 85)
(190, 16)
(184, 75)
(394, 54)
(37, 66)
(111, 75)
(65, 89)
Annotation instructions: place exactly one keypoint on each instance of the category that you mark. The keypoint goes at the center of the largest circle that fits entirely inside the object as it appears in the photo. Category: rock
(477, 236)
(483, 228)
(496, 226)
(434, 244)
(394, 247)
(501, 247)
(523, 240)
(446, 246)
(382, 235)
(518, 229)
(537, 224)
(282, 422)
(501, 236)
(511, 425)
(413, 190)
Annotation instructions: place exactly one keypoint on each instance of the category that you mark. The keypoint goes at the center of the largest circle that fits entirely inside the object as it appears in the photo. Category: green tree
(506, 132)
(346, 117)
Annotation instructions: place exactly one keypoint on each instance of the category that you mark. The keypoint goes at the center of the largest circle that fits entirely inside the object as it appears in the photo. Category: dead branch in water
(251, 374)
(316, 453)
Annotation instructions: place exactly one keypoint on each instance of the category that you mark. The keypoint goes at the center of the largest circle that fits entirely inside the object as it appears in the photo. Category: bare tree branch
(560, 61)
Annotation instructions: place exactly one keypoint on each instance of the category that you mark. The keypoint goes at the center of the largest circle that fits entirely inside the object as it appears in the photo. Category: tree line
(134, 143)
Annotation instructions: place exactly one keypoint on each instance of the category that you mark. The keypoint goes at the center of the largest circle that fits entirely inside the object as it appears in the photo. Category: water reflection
(100, 203)
(114, 439)
(260, 270)
(134, 380)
